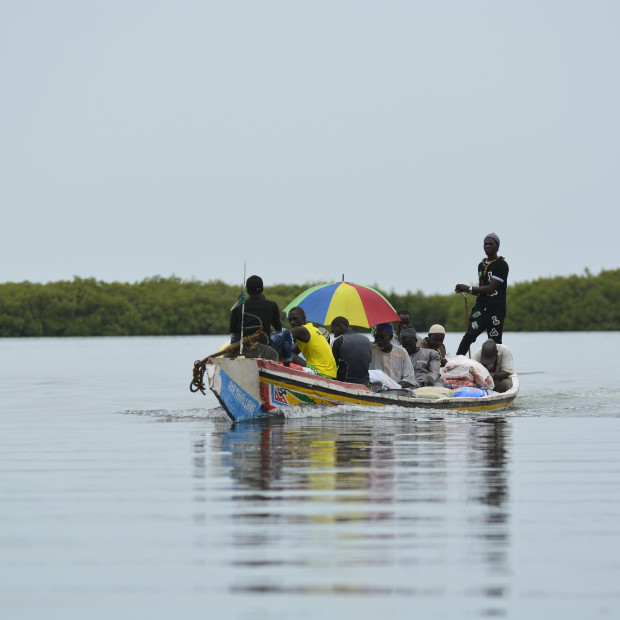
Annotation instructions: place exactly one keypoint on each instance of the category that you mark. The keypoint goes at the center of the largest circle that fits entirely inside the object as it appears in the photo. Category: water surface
(124, 495)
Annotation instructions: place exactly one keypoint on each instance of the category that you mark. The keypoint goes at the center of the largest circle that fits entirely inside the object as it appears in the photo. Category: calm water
(123, 495)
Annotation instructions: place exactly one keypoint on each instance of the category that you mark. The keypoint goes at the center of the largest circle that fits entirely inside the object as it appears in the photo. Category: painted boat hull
(251, 388)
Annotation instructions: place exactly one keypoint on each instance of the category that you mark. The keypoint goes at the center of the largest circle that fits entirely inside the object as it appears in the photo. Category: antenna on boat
(242, 310)
(343, 277)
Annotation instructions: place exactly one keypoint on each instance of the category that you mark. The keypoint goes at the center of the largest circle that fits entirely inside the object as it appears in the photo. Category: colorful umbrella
(363, 306)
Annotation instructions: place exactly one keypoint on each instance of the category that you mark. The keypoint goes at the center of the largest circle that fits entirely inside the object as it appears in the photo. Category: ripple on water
(597, 402)
(215, 413)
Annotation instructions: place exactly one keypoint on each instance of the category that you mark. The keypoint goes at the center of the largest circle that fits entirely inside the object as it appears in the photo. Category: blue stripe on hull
(239, 404)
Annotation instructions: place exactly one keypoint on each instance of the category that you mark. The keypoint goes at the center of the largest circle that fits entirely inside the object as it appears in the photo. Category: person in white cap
(434, 340)
(489, 312)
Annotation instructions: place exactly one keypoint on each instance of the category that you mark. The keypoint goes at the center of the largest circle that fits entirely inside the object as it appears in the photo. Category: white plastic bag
(460, 371)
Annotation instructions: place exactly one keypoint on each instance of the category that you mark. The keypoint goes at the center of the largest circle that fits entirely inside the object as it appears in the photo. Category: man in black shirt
(352, 352)
(489, 311)
(257, 311)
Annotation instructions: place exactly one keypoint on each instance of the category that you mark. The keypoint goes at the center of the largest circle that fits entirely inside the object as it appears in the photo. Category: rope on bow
(200, 366)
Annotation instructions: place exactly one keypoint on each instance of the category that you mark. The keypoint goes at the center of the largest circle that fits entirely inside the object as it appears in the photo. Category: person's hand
(461, 288)
(429, 382)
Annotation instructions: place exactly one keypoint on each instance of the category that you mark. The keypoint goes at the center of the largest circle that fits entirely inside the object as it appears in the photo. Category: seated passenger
(425, 362)
(497, 359)
(325, 333)
(434, 340)
(405, 320)
(351, 351)
(312, 344)
(257, 311)
(392, 360)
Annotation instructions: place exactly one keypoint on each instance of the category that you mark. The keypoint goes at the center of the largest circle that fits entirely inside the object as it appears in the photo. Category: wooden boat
(249, 388)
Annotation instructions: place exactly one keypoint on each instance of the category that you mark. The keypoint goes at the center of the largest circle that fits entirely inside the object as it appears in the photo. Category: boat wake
(596, 402)
(389, 413)
(169, 415)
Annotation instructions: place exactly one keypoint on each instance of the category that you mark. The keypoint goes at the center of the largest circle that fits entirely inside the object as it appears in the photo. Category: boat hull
(251, 388)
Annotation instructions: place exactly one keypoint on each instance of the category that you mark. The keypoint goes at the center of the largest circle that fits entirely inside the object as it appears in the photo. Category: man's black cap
(488, 354)
(254, 284)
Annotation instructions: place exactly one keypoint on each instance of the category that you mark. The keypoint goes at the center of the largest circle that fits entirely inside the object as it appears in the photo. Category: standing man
(312, 344)
(257, 311)
(489, 311)
(351, 351)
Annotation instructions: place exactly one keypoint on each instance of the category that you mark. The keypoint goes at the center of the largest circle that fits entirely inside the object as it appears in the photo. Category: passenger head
(405, 317)
(488, 354)
(436, 335)
(297, 316)
(409, 339)
(383, 336)
(254, 284)
(339, 326)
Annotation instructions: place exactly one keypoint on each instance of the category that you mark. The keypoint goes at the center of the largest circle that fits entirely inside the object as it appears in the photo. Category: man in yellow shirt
(312, 344)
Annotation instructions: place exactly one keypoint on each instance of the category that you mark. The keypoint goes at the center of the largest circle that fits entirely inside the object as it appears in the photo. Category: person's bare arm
(478, 290)
(300, 333)
(300, 361)
(498, 376)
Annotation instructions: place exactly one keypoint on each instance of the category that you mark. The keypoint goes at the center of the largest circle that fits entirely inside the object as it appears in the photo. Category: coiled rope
(200, 366)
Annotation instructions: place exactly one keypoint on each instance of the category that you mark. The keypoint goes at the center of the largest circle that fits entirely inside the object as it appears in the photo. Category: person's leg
(495, 327)
(283, 341)
(477, 324)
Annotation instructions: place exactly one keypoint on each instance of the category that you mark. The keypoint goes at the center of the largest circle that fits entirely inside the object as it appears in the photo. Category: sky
(308, 140)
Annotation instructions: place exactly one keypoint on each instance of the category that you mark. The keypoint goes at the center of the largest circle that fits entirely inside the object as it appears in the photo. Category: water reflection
(316, 503)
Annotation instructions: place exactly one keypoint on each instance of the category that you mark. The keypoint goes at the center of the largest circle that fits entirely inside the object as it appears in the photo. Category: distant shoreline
(173, 307)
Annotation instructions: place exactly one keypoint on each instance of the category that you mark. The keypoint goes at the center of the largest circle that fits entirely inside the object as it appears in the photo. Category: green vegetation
(154, 307)
(574, 303)
(171, 306)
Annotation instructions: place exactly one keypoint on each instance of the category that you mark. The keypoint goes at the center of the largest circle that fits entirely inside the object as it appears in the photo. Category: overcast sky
(379, 140)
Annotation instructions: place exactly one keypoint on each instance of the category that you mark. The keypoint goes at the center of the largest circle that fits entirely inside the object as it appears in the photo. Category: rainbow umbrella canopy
(362, 306)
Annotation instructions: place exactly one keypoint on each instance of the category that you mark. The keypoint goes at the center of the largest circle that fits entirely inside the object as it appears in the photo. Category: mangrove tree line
(172, 306)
